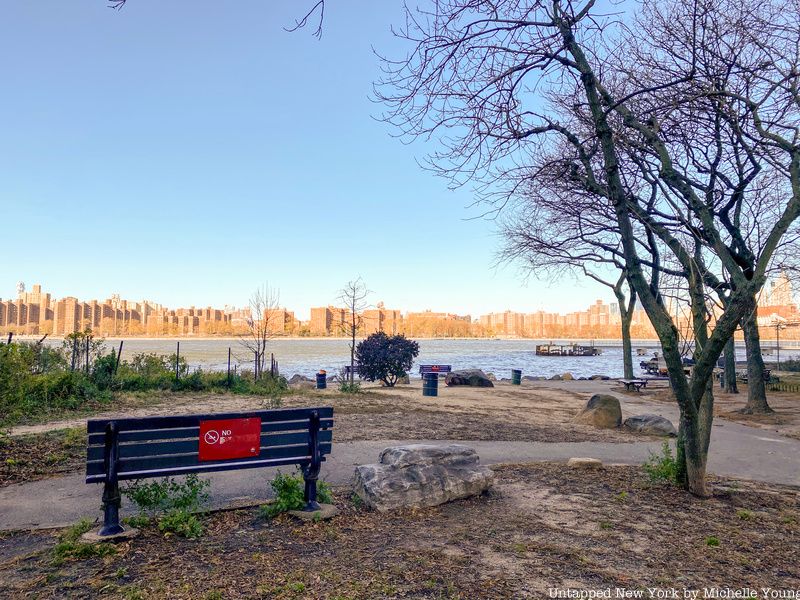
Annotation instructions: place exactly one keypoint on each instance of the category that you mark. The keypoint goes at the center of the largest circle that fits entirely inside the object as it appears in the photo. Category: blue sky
(188, 155)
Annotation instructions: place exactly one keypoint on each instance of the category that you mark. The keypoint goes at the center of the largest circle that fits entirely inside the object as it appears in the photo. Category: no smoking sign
(226, 439)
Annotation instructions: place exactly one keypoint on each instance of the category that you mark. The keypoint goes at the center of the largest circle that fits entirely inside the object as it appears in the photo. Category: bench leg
(111, 504)
(311, 475)
(311, 470)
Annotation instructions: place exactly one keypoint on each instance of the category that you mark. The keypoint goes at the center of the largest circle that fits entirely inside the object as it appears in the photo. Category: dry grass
(543, 526)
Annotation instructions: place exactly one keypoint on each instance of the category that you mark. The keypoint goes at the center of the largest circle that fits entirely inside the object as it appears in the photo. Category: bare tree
(261, 326)
(353, 298)
(506, 87)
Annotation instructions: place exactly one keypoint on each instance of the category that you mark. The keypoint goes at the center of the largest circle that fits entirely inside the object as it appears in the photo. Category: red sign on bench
(226, 439)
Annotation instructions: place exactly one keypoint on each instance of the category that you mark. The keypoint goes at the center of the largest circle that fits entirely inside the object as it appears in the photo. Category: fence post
(229, 366)
(177, 360)
(119, 356)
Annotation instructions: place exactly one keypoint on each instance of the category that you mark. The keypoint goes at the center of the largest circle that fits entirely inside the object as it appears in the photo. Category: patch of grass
(69, 547)
(712, 541)
(289, 493)
(662, 468)
(621, 497)
(606, 525)
(745, 515)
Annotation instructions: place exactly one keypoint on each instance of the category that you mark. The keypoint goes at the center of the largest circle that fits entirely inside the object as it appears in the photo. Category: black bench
(440, 369)
(139, 448)
(633, 384)
(355, 369)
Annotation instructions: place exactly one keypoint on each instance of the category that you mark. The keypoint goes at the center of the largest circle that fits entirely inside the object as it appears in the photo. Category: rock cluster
(472, 377)
(650, 424)
(419, 475)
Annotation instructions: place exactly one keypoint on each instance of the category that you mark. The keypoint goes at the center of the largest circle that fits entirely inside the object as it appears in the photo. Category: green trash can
(430, 384)
(516, 376)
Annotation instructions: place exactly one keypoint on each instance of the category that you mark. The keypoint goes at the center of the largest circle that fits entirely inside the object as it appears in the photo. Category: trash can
(430, 384)
(322, 380)
(516, 376)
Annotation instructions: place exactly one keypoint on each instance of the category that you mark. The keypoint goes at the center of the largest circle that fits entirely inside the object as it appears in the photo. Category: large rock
(651, 425)
(419, 475)
(297, 378)
(602, 410)
(555, 378)
(473, 377)
(599, 377)
(567, 377)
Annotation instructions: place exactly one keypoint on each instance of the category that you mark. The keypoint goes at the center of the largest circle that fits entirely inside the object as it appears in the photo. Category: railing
(784, 387)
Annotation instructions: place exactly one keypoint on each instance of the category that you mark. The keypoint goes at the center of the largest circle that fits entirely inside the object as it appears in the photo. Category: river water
(498, 356)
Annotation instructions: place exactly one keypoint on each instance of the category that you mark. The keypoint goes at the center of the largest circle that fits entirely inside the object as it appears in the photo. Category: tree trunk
(729, 377)
(756, 388)
(627, 355)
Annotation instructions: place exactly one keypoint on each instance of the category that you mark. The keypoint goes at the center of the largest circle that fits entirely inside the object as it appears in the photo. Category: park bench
(140, 448)
(633, 384)
(356, 370)
(440, 369)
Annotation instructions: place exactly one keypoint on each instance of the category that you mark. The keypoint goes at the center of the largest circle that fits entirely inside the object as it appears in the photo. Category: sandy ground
(784, 421)
(543, 526)
(531, 412)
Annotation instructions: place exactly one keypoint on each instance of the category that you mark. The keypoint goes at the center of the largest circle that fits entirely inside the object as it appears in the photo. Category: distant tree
(259, 328)
(353, 297)
(385, 358)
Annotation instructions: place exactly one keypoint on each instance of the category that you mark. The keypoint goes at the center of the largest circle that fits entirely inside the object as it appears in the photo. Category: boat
(566, 350)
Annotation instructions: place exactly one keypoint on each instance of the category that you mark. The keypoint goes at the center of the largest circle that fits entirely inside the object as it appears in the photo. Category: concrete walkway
(736, 451)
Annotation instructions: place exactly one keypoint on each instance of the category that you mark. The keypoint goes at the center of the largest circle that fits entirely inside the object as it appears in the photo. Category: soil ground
(503, 413)
(785, 420)
(543, 526)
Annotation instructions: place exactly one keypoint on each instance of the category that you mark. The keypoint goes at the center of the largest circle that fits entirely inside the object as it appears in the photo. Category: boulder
(555, 378)
(491, 377)
(602, 410)
(473, 377)
(419, 475)
(530, 378)
(651, 425)
(567, 377)
(298, 379)
(600, 377)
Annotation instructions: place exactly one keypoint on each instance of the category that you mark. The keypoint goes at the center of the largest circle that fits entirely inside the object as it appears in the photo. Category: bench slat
(201, 468)
(145, 435)
(132, 450)
(171, 422)
(175, 461)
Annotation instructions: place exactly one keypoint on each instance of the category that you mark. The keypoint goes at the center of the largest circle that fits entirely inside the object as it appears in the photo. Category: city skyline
(37, 311)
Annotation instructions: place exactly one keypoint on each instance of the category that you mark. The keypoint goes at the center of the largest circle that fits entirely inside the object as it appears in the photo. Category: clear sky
(186, 152)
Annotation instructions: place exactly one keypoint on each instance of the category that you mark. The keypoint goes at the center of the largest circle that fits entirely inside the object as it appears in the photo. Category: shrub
(181, 522)
(349, 388)
(791, 365)
(69, 546)
(385, 358)
(171, 503)
(168, 494)
(289, 493)
(662, 468)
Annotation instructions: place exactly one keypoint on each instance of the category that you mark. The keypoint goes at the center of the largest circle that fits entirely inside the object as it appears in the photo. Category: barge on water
(566, 350)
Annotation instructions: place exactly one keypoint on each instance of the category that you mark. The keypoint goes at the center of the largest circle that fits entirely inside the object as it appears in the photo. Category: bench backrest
(158, 446)
(434, 369)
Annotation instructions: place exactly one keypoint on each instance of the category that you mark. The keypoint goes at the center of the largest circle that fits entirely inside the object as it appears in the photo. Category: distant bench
(633, 384)
(355, 369)
(440, 369)
(139, 448)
